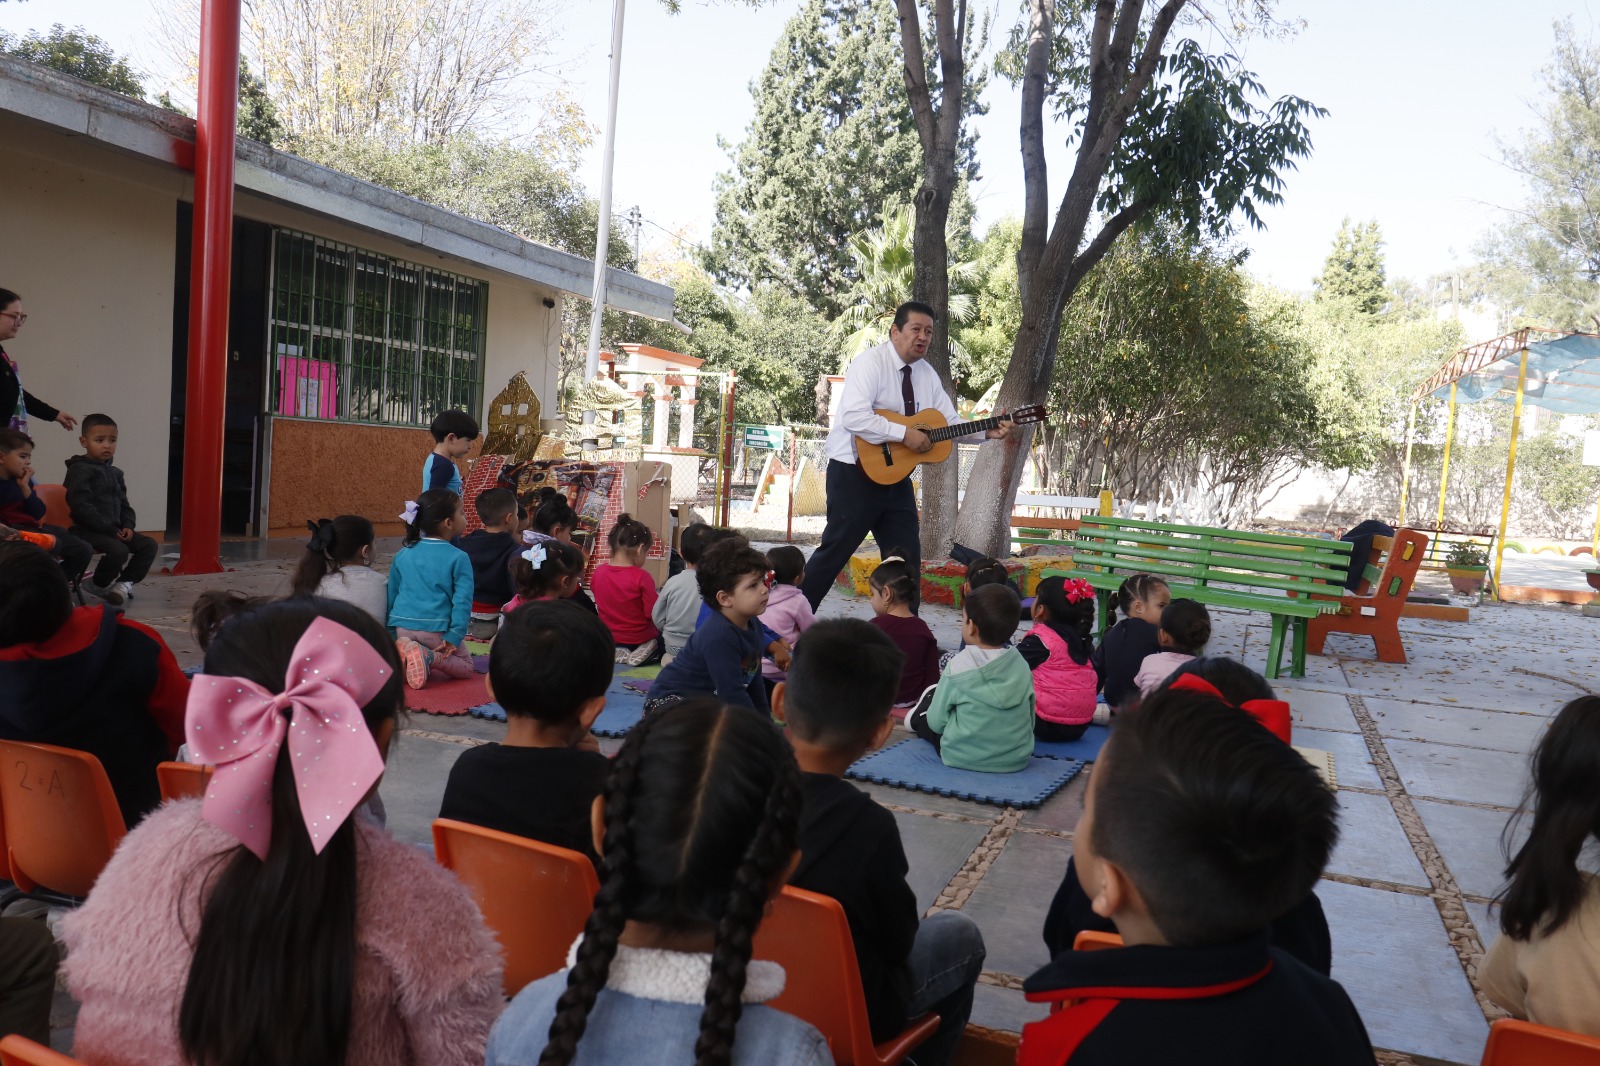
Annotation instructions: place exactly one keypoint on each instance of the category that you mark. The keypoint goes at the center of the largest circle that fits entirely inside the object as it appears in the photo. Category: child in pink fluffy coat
(190, 946)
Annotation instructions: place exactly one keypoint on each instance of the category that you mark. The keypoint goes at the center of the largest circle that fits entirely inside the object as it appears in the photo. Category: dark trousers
(28, 960)
(122, 560)
(1057, 732)
(72, 551)
(857, 505)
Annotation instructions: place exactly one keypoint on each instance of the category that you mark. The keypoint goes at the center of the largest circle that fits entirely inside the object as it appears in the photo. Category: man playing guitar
(892, 376)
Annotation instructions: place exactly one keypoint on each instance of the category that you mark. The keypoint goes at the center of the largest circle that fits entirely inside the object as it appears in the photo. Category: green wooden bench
(1275, 573)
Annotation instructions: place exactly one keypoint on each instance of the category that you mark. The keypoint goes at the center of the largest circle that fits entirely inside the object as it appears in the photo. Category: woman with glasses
(16, 403)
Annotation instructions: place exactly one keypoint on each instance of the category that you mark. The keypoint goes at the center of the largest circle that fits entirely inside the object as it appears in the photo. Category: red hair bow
(1076, 589)
(1274, 714)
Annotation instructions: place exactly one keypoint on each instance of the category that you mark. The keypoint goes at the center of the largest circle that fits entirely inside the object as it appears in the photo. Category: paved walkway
(1431, 760)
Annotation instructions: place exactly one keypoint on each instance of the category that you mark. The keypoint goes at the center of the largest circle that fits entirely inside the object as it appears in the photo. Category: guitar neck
(962, 429)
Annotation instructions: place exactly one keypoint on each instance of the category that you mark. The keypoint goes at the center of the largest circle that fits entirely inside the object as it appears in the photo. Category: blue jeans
(945, 961)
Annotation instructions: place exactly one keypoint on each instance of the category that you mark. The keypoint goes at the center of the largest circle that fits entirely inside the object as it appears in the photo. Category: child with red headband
(1058, 650)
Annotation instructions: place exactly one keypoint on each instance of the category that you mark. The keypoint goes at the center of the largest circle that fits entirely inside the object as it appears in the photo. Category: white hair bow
(535, 555)
(409, 516)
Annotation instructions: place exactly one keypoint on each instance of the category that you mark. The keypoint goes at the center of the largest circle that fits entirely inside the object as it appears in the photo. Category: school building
(356, 313)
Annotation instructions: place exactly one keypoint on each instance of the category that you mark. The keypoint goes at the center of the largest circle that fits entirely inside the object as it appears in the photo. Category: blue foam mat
(914, 764)
(1085, 749)
(624, 707)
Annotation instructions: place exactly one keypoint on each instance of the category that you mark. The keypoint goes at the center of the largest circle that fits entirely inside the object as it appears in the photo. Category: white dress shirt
(872, 383)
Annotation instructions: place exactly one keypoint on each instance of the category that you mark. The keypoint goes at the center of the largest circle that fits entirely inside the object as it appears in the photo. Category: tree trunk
(930, 252)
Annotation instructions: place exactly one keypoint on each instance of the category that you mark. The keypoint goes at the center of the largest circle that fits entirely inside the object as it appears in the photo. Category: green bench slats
(1292, 579)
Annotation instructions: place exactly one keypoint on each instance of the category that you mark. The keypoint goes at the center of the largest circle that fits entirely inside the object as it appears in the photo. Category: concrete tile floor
(1455, 722)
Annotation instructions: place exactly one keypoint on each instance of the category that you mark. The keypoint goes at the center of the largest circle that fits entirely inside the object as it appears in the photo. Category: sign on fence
(763, 436)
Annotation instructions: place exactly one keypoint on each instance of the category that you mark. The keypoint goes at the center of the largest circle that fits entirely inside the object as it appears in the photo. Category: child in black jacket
(836, 703)
(101, 514)
(1199, 829)
(1141, 599)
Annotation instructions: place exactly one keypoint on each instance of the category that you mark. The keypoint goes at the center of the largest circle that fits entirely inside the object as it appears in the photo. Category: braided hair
(702, 813)
(1074, 621)
(1135, 587)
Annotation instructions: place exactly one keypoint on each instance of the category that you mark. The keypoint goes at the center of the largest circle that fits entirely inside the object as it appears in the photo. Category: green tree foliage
(1546, 261)
(987, 337)
(79, 53)
(258, 114)
(1354, 268)
(832, 141)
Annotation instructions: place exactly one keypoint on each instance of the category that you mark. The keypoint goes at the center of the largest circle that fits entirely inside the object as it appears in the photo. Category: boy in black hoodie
(836, 703)
(492, 550)
(88, 678)
(102, 515)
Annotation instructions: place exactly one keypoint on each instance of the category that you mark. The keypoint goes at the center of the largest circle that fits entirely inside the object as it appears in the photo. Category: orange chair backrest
(536, 897)
(1518, 1043)
(1094, 940)
(182, 780)
(61, 818)
(56, 511)
(20, 1051)
(808, 935)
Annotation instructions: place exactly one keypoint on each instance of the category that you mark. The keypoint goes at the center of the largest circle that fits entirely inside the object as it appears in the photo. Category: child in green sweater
(981, 713)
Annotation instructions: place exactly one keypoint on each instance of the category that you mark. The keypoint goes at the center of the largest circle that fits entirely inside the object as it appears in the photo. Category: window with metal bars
(361, 337)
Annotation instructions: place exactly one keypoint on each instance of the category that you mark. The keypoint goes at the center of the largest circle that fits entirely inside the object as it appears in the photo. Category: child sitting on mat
(1057, 649)
(1185, 631)
(338, 565)
(788, 612)
(980, 572)
(1199, 829)
(551, 517)
(545, 570)
(1123, 647)
(894, 597)
(981, 715)
(430, 590)
(625, 593)
(677, 609)
(835, 703)
(549, 668)
(492, 549)
(723, 657)
(1302, 930)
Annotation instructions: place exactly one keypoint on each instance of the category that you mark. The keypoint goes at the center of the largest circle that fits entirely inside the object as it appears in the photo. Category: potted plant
(1592, 576)
(1466, 563)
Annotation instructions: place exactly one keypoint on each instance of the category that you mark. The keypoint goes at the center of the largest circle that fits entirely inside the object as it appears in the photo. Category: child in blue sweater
(430, 590)
(723, 656)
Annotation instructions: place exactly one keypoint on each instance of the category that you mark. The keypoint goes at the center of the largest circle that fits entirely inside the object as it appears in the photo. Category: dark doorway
(247, 347)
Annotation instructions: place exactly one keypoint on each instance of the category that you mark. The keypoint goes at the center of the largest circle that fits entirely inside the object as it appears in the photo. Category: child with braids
(836, 704)
(625, 592)
(338, 565)
(1123, 647)
(1185, 632)
(273, 922)
(723, 656)
(545, 570)
(697, 829)
(1546, 965)
(430, 590)
(1057, 649)
(894, 596)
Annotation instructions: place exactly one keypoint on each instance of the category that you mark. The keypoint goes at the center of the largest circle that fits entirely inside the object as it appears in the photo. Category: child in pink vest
(1058, 650)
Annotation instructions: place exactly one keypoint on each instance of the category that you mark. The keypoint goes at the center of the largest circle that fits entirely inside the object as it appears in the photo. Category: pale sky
(1416, 92)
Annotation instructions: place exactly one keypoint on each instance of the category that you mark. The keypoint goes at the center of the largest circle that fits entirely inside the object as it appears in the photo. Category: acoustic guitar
(892, 462)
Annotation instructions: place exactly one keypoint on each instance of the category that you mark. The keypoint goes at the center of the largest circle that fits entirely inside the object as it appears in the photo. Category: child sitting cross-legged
(430, 590)
(491, 549)
(546, 570)
(338, 565)
(625, 593)
(550, 517)
(696, 831)
(1199, 829)
(723, 657)
(677, 610)
(549, 668)
(981, 715)
(273, 922)
(894, 596)
(1141, 598)
(1058, 649)
(1185, 631)
(1302, 930)
(836, 703)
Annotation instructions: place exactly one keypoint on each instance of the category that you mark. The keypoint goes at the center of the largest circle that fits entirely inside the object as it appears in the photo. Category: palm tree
(884, 277)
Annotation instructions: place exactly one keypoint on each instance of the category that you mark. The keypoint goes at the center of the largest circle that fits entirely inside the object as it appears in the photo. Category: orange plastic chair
(1518, 1043)
(56, 511)
(61, 818)
(20, 1051)
(536, 897)
(1093, 940)
(183, 780)
(809, 936)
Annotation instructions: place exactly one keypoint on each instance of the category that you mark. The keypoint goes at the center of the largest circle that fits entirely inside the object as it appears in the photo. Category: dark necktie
(906, 394)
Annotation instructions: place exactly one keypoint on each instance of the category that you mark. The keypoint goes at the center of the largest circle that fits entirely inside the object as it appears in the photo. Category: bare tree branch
(916, 74)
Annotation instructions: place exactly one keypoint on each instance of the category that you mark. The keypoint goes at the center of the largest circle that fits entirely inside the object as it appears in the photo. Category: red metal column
(211, 261)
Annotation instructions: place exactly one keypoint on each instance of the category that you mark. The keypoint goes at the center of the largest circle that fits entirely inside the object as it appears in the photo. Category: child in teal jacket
(980, 715)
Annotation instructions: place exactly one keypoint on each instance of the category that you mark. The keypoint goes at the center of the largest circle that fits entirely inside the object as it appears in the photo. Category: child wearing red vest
(1058, 650)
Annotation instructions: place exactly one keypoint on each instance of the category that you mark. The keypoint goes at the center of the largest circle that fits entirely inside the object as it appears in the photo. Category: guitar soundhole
(888, 456)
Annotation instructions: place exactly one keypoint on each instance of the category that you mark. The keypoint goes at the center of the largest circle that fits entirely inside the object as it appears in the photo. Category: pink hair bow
(240, 727)
(1076, 589)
